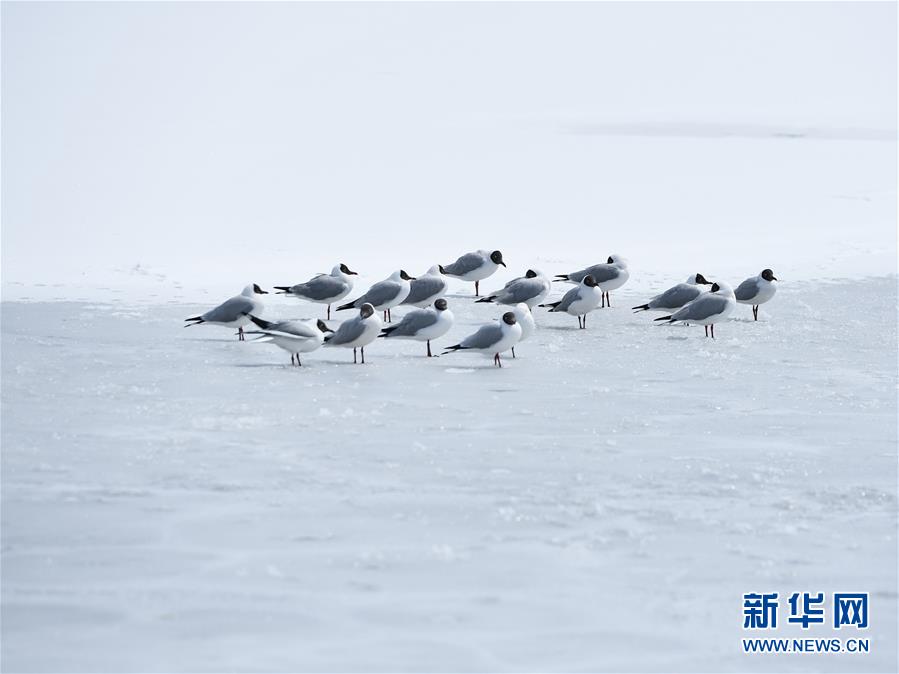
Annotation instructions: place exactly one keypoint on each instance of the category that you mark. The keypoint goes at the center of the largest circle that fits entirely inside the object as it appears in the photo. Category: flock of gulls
(696, 301)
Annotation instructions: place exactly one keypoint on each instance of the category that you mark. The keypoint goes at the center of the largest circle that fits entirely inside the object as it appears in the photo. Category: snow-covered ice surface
(176, 500)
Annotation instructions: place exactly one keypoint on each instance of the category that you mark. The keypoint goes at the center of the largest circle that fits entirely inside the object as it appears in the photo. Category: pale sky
(146, 132)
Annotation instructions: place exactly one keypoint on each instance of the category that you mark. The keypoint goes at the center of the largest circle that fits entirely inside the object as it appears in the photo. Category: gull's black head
(405, 276)
(321, 326)
(610, 260)
(440, 267)
(701, 280)
(346, 270)
(530, 274)
(715, 288)
(768, 275)
(440, 305)
(589, 281)
(497, 258)
(260, 291)
(366, 310)
(509, 318)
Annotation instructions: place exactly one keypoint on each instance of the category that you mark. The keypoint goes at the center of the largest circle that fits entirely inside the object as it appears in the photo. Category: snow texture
(175, 500)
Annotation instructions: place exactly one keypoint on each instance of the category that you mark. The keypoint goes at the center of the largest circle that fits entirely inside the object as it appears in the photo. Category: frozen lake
(175, 500)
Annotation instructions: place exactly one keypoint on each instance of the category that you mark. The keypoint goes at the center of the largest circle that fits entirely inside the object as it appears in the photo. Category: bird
(357, 332)
(526, 320)
(757, 290)
(323, 288)
(676, 296)
(493, 338)
(609, 276)
(233, 313)
(422, 325)
(475, 266)
(579, 301)
(532, 289)
(707, 309)
(427, 288)
(295, 337)
(385, 294)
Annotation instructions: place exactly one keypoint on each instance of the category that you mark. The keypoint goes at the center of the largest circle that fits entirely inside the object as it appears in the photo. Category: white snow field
(175, 500)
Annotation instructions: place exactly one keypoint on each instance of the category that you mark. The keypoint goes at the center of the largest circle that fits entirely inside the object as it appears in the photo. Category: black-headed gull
(323, 288)
(295, 337)
(526, 320)
(357, 332)
(579, 301)
(426, 289)
(233, 313)
(609, 276)
(492, 339)
(707, 309)
(532, 289)
(676, 296)
(422, 325)
(757, 290)
(475, 266)
(384, 295)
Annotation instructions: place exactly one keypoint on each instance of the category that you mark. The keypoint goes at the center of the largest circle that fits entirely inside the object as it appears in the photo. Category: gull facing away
(526, 320)
(357, 332)
(426, 289)
(532, 289)
(475, 266)
(422, 325)
(609, 276)
(295, 337)
(676, 296)
(323, 288)
(757, 290)
(579, 301)
(233, 313)
(384, 295)
(493, 338)
(707, 309)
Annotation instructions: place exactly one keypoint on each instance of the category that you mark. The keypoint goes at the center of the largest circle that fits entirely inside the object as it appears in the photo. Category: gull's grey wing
(293, 328)
(600, 272)
(320, 288)
(747, 290)
(465, 264)
(424, 287)
(379, 293)
(701, 308)
(569, 297)
(230, 310)
(348, 331)
(484, 338)
(520, 290)
(675, 297)
(413, 322)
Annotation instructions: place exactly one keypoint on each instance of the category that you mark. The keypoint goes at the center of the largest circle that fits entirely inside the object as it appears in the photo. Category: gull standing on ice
(707, 309)
(475, 266)
(579, 301)
(323, 288)
(532, 289)
(233, 313)
(295, 337)
(676, 296)
(385, 294)
(426, 289)
(358, 332)
(493, 338)
(609, 276)
(423, 325)
(757, 290)
(526, 320)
